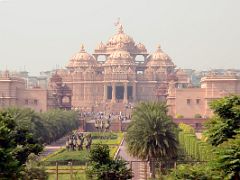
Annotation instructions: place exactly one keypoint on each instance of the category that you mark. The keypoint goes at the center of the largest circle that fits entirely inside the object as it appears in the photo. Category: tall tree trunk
(152, 168)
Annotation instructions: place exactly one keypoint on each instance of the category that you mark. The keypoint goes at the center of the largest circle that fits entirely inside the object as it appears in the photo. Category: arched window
(140, 59)
(66, 99)
(101, 58)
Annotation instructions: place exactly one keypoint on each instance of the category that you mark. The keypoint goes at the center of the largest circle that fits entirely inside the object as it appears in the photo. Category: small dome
(82, 55)
(120, 37)
(82, 58)
(159, 58)
(141, 47)
(101, 46)
(160, 55)
(120, 57)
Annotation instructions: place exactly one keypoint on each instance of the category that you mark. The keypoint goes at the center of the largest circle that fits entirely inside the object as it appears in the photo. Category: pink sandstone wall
(189, 102)
(34, 98)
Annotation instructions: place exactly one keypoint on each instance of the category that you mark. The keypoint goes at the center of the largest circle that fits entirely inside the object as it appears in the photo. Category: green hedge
(195, 148)
(104, 135)
(47, 126)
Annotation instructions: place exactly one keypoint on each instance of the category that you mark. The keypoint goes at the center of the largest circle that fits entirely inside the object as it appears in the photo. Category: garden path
(54, 146)
(136, 165)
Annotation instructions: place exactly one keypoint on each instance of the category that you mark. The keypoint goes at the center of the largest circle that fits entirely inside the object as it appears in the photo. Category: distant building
(189, 102)
(119, 74)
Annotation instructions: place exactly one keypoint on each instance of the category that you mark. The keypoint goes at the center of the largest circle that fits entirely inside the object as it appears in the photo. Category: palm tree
(152, 135)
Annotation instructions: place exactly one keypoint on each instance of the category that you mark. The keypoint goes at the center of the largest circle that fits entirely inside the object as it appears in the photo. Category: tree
(16, 143)
(195, 172)
(9, 165)
(225, 123)
(34, 169)
(102, 167)
(223, 131)
(152, 135)
(228, 158)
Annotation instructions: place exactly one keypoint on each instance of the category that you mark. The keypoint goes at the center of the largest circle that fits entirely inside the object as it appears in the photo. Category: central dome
(120, 57)
(120, 54)
(120, 37)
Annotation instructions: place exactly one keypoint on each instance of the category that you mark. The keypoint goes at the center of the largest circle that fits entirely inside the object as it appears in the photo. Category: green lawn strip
(53, 154)
(66, 155)
(110, 141)
(66, 167)
(82, 156)
(76, 176)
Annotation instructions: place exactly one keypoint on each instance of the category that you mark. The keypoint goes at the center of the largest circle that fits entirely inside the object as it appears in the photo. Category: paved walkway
(49, 149)
(136, 166)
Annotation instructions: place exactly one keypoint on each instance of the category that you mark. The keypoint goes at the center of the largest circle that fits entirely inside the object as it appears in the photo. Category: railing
(70, 169)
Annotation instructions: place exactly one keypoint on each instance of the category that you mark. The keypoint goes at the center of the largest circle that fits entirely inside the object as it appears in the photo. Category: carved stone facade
(112, 77)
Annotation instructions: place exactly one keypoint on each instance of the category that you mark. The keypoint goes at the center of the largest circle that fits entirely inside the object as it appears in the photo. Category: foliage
(58, 123)
(33, 169)
(104, 135)
(226, 122)
(196, 172)
(48, 126)
(82, 156)
(195, 148)
(105, 168)
(63, 176)
(197, 116)
(29, 119)
(22, 131)
(16, 143)
(228, 158)
(109, 141)
(179, 116)
(186, 128)
(152, 133)
(223, 132)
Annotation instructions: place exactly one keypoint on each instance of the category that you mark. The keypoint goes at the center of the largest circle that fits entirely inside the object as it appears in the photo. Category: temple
(117, 75)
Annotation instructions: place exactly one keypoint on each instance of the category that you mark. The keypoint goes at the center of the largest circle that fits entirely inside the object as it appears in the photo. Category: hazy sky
(40, 34)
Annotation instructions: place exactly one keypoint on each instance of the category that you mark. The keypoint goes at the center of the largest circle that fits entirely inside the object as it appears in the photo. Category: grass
(113, 141)
(66, 155)
(82, 156)
(76, 176)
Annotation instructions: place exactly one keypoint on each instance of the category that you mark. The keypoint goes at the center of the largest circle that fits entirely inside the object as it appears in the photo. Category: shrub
(197, 116)
(179, 116)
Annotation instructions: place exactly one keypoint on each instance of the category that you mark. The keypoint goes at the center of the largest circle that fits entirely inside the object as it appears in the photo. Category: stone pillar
(104, 92)
(84, 92)
(134, 93)
(113, 92)
(125, 96)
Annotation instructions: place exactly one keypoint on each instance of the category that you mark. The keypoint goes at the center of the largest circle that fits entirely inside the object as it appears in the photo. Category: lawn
(80, 156)
(115, 138)
(76, 176)
(111, 139)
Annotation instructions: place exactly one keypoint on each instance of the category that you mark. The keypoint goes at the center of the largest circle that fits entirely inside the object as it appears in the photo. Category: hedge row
(47, 126)
(195, 148)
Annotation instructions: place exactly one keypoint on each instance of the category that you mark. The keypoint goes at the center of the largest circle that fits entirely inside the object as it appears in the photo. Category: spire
(159, 48)
(120, 29)
(82, 49)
